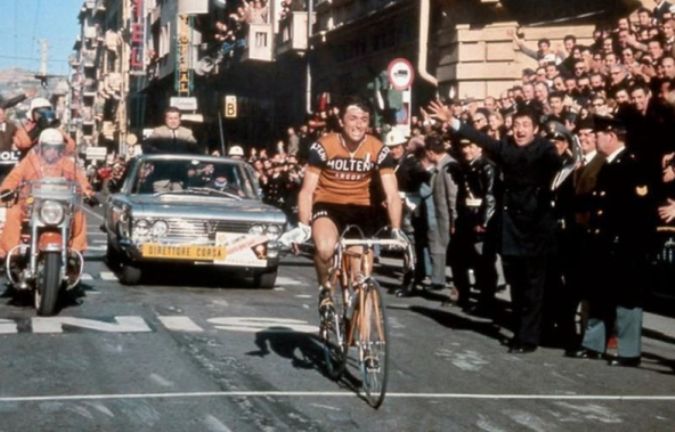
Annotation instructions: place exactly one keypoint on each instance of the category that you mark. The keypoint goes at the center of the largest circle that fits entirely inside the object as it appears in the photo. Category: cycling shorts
(343, 215)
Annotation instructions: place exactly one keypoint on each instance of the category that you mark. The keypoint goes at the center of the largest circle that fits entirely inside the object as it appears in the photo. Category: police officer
(474, 244)
(560, 302)
(620, 224)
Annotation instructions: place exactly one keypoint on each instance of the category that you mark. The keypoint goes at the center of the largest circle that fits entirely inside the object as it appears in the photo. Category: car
(192, 209)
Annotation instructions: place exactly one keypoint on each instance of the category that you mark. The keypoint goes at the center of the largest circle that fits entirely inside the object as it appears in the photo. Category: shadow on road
(304, 350)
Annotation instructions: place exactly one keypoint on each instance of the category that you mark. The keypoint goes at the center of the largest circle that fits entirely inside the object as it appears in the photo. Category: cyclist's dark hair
(357, 102)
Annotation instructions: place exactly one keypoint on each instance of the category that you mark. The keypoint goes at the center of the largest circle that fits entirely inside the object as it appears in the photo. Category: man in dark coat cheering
(527, 230)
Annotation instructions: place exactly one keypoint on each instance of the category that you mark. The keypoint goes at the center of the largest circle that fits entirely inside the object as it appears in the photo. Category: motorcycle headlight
(273, 232)
(256, 230)
(51, 213)
(159, 229)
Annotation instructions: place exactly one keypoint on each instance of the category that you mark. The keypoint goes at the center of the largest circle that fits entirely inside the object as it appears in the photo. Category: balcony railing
(292, 33)
(259, 43)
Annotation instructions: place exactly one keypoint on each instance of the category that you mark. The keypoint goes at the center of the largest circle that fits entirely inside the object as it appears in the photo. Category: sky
(25, 22)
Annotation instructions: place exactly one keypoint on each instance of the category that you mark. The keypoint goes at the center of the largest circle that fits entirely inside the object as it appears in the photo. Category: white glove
(299, 234)
(399, 235)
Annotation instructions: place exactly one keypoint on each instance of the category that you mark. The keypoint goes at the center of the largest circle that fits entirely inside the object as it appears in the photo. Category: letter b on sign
(230, 106)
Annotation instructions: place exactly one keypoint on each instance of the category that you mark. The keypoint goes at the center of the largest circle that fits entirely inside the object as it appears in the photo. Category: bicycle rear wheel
(332, 335)
(373, 345)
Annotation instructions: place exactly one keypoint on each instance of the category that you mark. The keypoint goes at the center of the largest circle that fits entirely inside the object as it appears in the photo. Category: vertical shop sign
(183, 60)
(137, 39)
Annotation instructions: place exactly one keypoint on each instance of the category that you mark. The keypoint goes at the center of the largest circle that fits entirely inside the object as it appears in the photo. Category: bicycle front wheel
(373, 345)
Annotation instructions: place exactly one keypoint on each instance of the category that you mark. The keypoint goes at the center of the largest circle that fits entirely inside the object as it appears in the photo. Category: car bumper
(244, 262)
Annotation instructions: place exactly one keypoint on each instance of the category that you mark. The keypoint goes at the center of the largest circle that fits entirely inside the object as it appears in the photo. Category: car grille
(192, 228)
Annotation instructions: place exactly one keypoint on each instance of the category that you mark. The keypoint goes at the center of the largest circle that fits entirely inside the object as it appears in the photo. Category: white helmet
(236, 151)
(394, 138)
(51, 138)
(38, 102)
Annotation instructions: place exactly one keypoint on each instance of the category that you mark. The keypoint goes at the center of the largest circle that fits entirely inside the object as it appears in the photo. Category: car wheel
(113, 257)
(266, 279)
(130, 274)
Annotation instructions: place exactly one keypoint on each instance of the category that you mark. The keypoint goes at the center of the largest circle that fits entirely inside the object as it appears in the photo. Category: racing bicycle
(357, 319)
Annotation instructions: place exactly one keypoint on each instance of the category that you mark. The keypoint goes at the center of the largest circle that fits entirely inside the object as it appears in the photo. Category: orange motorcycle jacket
(345, 176)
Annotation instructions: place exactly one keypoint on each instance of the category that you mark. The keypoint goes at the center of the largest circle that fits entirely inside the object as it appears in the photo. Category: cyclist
(336, 191)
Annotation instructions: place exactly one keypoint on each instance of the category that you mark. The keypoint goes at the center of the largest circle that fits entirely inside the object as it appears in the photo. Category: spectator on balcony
(259, 12)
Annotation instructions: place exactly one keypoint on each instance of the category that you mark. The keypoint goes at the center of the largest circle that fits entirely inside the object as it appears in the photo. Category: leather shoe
(624, 361)
(522, 348)
(583, 354)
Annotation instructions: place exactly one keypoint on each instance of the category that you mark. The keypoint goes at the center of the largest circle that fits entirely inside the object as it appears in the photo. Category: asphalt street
(200, 350)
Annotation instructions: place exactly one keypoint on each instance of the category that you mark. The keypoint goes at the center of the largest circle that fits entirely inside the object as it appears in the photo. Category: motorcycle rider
(47, 159)
(41, 116)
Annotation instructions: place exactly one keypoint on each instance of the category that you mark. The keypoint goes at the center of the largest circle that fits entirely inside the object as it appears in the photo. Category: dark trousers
(564, 287)
(476, 252)
(526, 275)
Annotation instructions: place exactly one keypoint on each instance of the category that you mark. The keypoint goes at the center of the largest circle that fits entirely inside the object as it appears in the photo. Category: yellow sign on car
(191, 252)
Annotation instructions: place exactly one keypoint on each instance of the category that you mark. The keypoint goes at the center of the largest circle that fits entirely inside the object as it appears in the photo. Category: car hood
(204, 207)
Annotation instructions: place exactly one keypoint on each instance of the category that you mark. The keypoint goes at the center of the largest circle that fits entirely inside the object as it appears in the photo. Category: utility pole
(44, 54)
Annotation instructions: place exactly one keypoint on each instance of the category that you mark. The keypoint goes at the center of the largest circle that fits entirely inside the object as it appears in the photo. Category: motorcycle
(43, 262)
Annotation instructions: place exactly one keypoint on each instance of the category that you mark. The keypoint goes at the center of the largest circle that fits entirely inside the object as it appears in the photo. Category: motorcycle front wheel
(48, 283)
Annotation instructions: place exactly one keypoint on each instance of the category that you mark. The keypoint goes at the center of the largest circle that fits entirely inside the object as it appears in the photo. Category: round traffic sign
(401, 73)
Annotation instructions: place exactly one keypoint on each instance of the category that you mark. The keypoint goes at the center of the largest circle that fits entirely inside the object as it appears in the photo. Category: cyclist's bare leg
(325, 236)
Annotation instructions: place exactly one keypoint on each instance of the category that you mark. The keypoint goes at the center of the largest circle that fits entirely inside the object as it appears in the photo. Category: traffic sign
(401, 73)
(230, 106)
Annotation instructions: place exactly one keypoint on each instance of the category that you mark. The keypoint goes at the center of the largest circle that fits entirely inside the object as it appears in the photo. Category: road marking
(93, 213)
(121, 324)
(99, 248)
(86, 277)
(107, 276)
(287, 281)
(179, 323)
(303, 296)
(315, 394)
(8, 327)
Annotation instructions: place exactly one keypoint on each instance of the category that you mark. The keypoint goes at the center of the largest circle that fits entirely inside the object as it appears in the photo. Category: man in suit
(527, 232)
(444, 195)
(620, 224)
(7, 131)
(172, 127)
(171, 137)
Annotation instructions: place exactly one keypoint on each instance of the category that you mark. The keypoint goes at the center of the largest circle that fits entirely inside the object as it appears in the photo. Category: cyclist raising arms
(336, 191)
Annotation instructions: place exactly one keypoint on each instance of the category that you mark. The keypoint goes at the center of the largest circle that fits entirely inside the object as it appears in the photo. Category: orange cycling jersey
(344, 176)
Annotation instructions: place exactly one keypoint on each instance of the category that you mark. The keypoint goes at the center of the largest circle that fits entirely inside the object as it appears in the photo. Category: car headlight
(273, 232)
(159, 229)
(141, 229)
(256, 230)
(51, 213)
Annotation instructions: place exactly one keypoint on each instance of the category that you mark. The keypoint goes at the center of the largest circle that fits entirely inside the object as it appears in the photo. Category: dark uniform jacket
(527, 220)
(620, 228)
(476, 200)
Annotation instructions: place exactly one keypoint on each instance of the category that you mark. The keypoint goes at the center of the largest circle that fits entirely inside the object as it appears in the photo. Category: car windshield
(193, 176)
